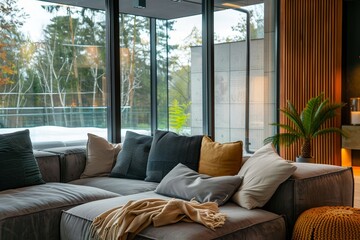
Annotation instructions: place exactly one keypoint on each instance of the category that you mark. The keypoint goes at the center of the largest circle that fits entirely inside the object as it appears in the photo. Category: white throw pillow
(262, 174)
(100, 156)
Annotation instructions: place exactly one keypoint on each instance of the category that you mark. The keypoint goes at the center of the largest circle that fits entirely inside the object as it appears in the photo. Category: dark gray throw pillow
(132, 160)
(18, 166)
(167, 150)
(182, 182)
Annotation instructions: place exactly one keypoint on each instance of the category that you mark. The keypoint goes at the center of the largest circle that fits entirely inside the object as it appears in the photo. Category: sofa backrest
(61, 164)
(49, 164)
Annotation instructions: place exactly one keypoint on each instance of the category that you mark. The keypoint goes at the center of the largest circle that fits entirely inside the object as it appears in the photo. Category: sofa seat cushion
(122, 186)
(240, 223)
(34, 212)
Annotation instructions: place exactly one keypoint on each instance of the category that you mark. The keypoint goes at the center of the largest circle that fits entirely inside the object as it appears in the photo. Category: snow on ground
(47, 134)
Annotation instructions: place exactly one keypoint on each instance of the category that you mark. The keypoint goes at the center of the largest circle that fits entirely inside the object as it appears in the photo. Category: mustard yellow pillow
(220, 159)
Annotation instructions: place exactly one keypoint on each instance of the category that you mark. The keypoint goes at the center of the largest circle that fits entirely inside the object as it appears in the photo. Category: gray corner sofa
(64, 207)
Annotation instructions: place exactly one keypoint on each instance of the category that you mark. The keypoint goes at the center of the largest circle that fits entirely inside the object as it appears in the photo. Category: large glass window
(52, 71)
(162, 55)
(52, 76)
(232, 72)
(135, 73)
(185, 76)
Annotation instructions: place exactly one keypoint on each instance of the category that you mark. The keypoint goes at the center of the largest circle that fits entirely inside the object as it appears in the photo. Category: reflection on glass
(230, 75)
(135, 73)
(52, 70)
(185, 76)
(162, 50)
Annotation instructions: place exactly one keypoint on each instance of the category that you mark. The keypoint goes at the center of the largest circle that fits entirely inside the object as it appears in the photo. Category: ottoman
(329, 222)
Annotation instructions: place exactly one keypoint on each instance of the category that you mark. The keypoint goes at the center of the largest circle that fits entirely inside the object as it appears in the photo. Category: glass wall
(135, 73)
(52, 74)
(162, 56)
(52, 71)
(231, 86)
(185, 75)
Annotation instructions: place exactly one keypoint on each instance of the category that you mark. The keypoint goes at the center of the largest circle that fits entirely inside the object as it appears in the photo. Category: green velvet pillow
(18, 166)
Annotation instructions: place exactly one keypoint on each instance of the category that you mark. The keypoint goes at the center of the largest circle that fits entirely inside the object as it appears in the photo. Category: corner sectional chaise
(65, 206)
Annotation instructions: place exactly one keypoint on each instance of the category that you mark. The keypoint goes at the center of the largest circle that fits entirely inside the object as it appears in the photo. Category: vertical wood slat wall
(310, 63)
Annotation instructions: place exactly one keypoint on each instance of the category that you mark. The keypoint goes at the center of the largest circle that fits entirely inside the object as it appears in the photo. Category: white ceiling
(162, 9)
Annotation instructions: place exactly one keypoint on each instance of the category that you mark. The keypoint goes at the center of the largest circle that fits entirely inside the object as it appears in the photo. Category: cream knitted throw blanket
(126, 221)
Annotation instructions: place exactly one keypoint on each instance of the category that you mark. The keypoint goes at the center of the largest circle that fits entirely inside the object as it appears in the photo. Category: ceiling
(161, 9)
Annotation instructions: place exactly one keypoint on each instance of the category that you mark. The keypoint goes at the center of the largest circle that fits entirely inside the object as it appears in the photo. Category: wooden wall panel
(310, 63)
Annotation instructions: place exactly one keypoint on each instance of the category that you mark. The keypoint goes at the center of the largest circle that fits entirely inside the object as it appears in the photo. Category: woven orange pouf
(328, 223)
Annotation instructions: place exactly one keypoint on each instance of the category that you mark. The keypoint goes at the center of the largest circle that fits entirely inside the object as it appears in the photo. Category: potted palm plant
(307, 125)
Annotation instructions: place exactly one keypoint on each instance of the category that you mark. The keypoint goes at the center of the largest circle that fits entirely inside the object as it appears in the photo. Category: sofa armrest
(312, 185)
(72, 161)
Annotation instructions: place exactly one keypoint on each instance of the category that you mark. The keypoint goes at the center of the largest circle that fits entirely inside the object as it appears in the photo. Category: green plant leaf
(330, 130)
(178, 116)
(282, 138)
(309, 113)
(308, 124)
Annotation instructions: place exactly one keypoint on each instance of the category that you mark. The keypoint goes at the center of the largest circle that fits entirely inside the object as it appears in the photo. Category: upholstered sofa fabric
(34, 212)
(311, 185)
(72, 161)
(49, 163)
(240, 223)
(122, 186)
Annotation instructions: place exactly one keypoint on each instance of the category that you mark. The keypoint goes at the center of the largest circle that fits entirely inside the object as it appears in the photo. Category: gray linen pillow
(183, 182)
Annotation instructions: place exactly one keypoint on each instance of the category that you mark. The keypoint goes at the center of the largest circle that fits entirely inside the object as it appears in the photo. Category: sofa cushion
(183, 182)
(263, 172)
(220, 159)
(122, 186)
(167, 150)
(100, 156)
(132, 160)
(18, 167)
(240, 223)
(34, 212)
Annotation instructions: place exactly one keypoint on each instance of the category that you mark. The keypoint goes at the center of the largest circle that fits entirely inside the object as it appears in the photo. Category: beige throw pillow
(220, 159)
(262, 174)
(100, 156)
